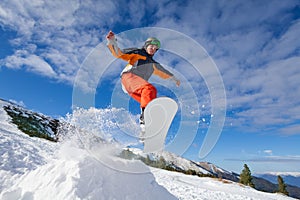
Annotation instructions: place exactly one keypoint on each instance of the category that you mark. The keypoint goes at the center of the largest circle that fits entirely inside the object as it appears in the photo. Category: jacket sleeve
(125, 54)
(113, 47)
(161, 71)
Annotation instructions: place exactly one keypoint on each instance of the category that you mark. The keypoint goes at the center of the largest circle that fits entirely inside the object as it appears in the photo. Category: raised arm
(125, 54)
(112, 45)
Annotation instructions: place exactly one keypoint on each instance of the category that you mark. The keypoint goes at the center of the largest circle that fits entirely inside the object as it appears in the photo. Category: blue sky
(254, 44)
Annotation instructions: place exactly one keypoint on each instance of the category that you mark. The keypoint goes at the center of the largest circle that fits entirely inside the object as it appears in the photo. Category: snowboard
(158, 116)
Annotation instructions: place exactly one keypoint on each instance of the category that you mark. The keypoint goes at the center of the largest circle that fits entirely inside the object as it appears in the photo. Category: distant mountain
(292, 180)
(289, 178)
(38, 125)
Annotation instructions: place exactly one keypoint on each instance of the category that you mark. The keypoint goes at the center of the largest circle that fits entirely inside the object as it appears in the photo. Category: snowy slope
(33, 168)
(193, 187)
(19, 153)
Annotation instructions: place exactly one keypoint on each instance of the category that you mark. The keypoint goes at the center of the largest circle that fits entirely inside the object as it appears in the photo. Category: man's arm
(126, 54)
(165, 74)
(112, 45)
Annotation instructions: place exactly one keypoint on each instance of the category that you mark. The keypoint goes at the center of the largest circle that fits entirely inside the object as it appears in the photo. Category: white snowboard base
(158, 116)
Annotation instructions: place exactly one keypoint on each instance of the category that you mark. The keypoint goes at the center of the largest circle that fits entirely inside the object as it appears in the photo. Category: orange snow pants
(139, 89)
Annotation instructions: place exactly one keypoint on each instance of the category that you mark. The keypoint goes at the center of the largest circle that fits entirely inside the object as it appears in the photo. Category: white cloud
(60, 30)
(3, 12)
(268, 151)
(38, 65)
(285, 46)
(268, 96)
(292, 129)
(271, 159)
(31, 62)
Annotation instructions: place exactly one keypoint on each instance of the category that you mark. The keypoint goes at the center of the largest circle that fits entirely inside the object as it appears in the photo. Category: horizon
(44, 46)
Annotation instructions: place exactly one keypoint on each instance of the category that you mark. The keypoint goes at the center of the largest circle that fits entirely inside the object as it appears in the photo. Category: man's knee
(151, 89)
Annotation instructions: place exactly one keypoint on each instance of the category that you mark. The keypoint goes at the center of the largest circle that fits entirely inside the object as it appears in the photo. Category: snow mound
(77, 174)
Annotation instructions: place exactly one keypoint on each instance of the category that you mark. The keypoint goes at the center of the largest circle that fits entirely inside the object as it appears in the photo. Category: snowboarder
(140, 67)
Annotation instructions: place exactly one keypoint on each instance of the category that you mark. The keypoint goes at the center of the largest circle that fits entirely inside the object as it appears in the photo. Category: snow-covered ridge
(219, 172)
(32, 123)
(172, 161)
(181, 164)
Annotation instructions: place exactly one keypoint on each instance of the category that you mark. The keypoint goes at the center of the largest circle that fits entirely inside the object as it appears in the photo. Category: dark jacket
(140, 62)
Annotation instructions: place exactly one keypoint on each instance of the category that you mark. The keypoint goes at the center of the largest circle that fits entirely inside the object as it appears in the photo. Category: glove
(111, 39)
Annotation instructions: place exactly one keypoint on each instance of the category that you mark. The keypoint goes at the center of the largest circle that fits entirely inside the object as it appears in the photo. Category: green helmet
(152, 40)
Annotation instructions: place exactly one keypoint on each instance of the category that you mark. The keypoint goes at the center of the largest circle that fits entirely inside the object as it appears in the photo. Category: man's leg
(139, 89)
(149, 93)
(144, 95)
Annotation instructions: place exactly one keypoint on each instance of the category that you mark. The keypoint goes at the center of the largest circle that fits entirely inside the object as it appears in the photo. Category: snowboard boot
(142, 125)
(142, 120)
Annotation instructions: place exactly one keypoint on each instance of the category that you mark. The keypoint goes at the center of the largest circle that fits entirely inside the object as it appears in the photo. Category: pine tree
(161, 163)
(245, 176)
(148, 161)
(281, 186)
